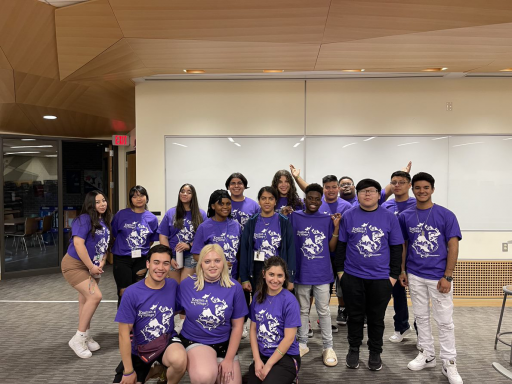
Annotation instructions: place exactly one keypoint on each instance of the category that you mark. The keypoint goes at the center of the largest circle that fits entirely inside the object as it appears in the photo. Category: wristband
(335, 235)
(129, 373)
(277, 349)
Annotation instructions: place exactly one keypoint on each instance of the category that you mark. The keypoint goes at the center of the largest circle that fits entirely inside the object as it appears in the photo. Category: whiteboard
(207, 162)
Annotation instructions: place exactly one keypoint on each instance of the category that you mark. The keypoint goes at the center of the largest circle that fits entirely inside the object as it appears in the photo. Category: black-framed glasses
(370, 191)
(399, 183)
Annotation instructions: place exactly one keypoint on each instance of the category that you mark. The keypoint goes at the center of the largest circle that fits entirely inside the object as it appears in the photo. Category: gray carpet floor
(34, 336)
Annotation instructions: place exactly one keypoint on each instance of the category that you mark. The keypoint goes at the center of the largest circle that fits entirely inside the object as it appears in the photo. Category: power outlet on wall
(504, 247)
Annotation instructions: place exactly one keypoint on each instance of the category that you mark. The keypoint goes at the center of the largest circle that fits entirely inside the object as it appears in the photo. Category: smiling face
(158, 266)
(223, 208)
(236, 188)
(331, 190)
(347, 189)
(212, 265)
(423, 192)
(313, 201)
(283, 186)
(101, 204)
(267, 203)
(368, 198)
(186, 194)
(274, 277)
(139, 200)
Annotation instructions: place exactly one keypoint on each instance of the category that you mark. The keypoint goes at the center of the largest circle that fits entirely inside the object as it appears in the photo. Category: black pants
(254, 280)
(370, 298)
(125, 271)
(283, 372)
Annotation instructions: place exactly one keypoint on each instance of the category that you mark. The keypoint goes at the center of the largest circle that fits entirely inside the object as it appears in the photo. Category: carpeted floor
(34, 336)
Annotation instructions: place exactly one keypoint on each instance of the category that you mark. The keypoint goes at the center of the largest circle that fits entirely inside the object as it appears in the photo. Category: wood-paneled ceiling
(79, 61)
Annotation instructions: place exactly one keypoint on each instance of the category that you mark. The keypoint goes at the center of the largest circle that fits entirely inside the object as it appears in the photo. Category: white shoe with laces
(423, 360)
(450, 371)
(303, 349)
(79, 345)
(397, 337)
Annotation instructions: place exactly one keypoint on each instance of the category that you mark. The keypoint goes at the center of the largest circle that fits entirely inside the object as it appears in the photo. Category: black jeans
(370, 298)
(283, 372)
(401, 317)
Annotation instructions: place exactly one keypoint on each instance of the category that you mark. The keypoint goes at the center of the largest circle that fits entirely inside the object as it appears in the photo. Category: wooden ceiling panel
(365, 19)
(464, 49)
(83, 32)
(45, 92)
(12, 119)
(192, 54)
(287, 21)
(27, 37)
(119, 58)
(7, 94)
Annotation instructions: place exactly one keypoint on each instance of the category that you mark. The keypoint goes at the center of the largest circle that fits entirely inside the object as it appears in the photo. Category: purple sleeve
(126, 313)
(81, 227)
(452, 228)
(292, 314)
(403, 226)
(239, 304)
(198, 241)
(343, 231)
(203, 214)
(163, 229)
(395, 233)
(382, 198)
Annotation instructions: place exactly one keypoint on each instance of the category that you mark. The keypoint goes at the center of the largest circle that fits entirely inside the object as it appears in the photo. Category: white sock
(81, 334)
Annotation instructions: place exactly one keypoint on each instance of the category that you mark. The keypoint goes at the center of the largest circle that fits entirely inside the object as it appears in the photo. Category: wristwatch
(449, 278)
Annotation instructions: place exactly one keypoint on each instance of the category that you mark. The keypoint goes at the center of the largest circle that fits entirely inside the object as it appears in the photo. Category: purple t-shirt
(272, 317)
(398, 206)
(242, 211)
(133, 231)
(96, 246)
(427, 248)
(368, 236)
(267, 235)
(312, 234)
(175, 235)
(151, 311)
(225, 233)
(283, 202)
(210, 311)
(339, 206)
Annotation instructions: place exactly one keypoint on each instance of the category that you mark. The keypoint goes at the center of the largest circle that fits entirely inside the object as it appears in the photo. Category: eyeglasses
(346, 185)
(186, 192)
(368, 191)
(399, 183)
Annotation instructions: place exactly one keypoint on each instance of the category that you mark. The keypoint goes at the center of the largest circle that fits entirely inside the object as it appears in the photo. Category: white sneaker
(303, 349)
(92, 345)
(79, 345)
(397, 337)
(450, 371)
(422, 361)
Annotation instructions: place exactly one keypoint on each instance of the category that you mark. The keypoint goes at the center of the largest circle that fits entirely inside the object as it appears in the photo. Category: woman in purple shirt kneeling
(275, 315)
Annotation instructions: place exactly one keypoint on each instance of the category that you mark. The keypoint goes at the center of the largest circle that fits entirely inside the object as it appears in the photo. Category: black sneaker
(352, 359)
(341, 319)
(334, 328)
(310, 331)
(374, 362)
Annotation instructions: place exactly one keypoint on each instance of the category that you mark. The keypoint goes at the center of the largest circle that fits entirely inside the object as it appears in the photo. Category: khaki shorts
(75, 271)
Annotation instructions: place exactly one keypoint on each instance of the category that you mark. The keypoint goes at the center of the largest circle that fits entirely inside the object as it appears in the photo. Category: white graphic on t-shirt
(370, 241)
(243, 217)
(154, 329)
(422, 245)
(101, 246)
(312, 247)
(209, 320)
(186, 235)
(267, 330)
(270, 249)
(137, 237)
(229, 246)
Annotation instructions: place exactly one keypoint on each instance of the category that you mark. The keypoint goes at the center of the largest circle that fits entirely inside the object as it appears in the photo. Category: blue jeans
(401, 317)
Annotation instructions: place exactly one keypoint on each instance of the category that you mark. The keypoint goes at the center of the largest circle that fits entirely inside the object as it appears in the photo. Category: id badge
(136, 253)
(259, 256)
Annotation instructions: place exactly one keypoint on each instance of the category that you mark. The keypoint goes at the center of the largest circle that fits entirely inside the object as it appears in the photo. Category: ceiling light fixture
(273, 70)
(19, 153)
(32, 146)
(194, 71)
(28, 139)
(49, 117)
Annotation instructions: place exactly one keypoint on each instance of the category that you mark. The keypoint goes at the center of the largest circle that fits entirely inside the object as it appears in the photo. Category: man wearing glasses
(368, 260)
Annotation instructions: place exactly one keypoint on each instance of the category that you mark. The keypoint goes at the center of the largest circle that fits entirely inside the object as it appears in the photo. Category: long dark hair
(216, 197)
(142, 191)
(89, 208)
(179, 216)
(274, 261)
(292, 196)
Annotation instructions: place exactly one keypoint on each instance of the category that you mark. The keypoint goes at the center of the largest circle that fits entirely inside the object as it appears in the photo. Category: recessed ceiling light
(194, 71)
(49, 117)
(273, 70)
(352, 70)
(434, 69)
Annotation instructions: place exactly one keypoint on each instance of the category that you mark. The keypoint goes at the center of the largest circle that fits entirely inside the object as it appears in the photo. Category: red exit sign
(121, 140)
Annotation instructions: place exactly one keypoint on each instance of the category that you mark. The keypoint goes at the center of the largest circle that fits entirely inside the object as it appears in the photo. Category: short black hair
(366, 183)
(346, 177)
(329, 178)
(314, 187)
(403, 174)
(159, 248)
(268, 189)
(216, 197)
(141, 190)
(423, 176)
(237, 175)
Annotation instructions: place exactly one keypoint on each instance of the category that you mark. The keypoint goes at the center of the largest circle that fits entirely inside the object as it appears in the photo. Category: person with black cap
(368, 261)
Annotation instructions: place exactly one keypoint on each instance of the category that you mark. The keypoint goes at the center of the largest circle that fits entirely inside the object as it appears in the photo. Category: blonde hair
(225, 279)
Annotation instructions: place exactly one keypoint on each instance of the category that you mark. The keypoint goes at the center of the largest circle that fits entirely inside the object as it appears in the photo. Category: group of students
(267, 260)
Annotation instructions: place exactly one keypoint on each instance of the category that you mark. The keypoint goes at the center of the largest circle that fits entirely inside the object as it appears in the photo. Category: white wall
(320, 107)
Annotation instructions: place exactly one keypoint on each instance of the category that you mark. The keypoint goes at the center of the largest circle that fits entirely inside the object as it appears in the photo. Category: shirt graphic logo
(426, 242)
(267, 329)
(137, 237)
(186, 235)
(313, 246)
(211, 320)
(230, 245)
(101, 246)
(243, 217)
(370, 241)
(269, 248)
(154, 329)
